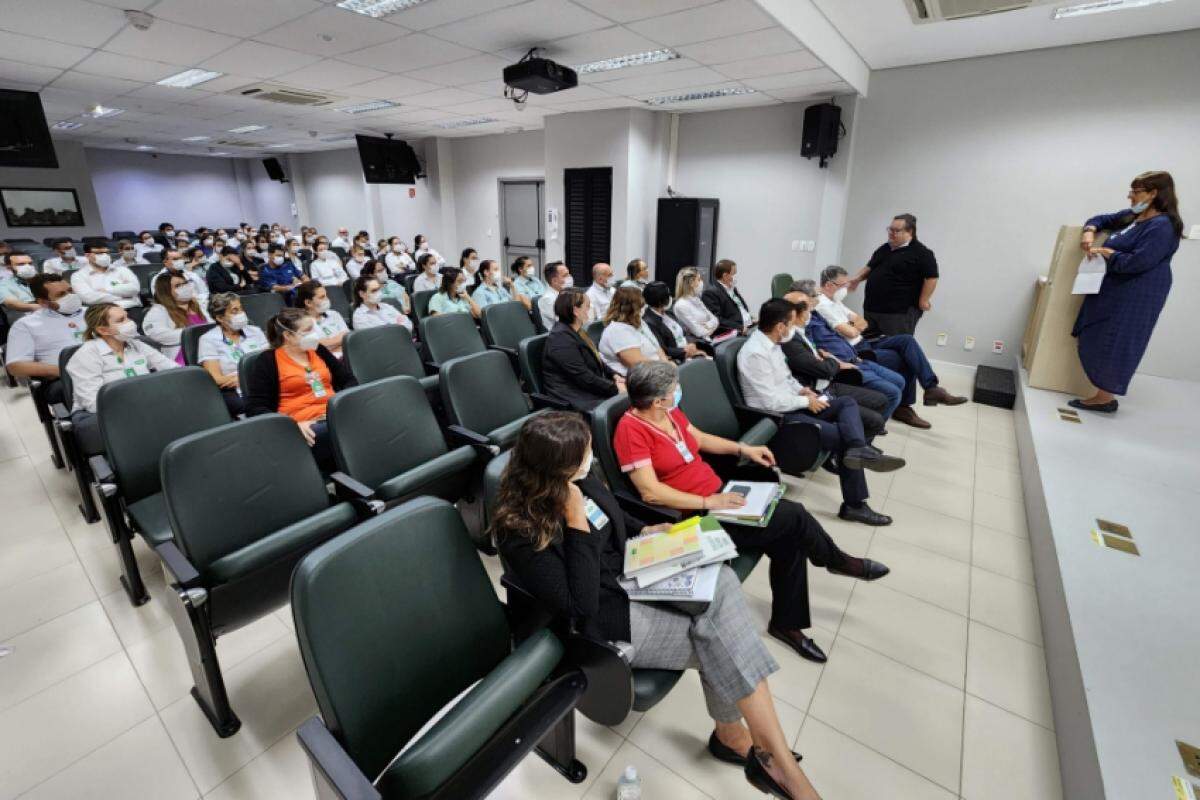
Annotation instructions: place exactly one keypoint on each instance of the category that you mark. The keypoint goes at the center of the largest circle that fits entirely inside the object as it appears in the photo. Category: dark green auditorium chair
(245, 502)
(504, 325)
(386, 352)
(261, 307)
(139, 417)
(483, 400)
(530, 353)
(594, 331)
(386, 437)
(73, 451)
(420, 303)
(448, 336)
(781, 282)
(189, 341)
(246, 366)
(386, 648)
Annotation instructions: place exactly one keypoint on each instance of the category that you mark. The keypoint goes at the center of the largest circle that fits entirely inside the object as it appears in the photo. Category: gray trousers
(723, 643)
(893, 324)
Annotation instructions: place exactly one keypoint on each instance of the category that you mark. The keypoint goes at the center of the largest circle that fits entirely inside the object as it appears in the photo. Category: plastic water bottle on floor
(629, 785)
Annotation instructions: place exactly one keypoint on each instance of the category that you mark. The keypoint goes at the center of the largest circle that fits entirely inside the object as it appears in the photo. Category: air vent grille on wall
(274, 93)
(939, 10)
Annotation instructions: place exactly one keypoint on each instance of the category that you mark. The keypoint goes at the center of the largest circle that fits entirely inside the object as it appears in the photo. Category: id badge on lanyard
(314, 380)
(595, 516)
(684, 452)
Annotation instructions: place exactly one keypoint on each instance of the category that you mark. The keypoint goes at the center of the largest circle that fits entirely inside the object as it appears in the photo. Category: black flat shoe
(864, 514)
(1104, 408)
(730, 756)
(806, 647)
(760, 779)
(871, 458)
(871, 570)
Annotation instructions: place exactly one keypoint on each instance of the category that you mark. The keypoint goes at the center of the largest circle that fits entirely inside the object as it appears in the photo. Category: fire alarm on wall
(412, 192)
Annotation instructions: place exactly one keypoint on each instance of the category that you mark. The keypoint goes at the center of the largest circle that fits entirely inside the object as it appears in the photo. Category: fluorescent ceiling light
(189, 77)
(287, 144)
(464, 123)
(1100, 6)
(378, 8)
(631, 60)
(707, 94)
(196, 138)
(374, 105)
(66, 126)
(144, 147)
(100, 111)
(248, 129)
(221, 153)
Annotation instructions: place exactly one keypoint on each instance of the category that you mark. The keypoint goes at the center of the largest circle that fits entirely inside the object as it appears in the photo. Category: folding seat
(261, 307)
(189, 341)
(386, 352)
(385, 649)
(781, 282)
(74, 452)
(245, 503)
(504, 325)
(339, 303)
(448, 336)
(483, 400)
(594, 331)
(145, 275)
(420, 303)
(530, 352)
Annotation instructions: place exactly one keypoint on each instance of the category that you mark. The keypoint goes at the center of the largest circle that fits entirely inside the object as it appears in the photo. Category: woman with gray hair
(222, 348)
(663, 453)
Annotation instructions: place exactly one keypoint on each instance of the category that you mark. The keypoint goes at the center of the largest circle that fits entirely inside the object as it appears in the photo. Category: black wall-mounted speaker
(822, 126)
(274, 169)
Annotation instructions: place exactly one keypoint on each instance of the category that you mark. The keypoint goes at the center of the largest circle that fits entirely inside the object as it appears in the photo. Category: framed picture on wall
(41, 208)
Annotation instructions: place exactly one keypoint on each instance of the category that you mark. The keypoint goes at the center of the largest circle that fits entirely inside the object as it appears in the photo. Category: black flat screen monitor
(24, 137)
(387, 160)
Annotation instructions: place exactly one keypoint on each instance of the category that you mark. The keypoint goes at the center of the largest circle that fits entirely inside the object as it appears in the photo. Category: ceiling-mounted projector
(540, 76)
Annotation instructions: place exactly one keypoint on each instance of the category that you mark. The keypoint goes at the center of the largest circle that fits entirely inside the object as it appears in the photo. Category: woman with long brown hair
(626, 339)
(562, 535)
(175, 308)
(1114, 325)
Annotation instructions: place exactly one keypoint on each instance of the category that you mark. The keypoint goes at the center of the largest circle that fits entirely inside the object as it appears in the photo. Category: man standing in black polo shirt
(901, 277)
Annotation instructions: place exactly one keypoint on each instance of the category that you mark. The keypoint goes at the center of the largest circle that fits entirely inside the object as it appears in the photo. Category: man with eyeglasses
(900, 277)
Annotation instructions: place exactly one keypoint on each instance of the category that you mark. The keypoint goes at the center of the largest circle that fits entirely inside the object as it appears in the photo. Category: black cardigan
(262, 382)
(575, 577)
(571, 371)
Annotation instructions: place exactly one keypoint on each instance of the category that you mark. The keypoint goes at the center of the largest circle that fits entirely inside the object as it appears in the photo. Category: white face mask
(397, 249)
(26, 271)
(787, 337)
(241, 237)
(584, 468)
(127, 255)
(308, 341)
(360, 259)
(322, 306)
(277, 261)
(126, 331)
(185, 293)
(69, 304)
(373, 297)
(226, 263)
(841, 293)
(68, 255)
(495, 276)
(238, 321)
(175, 263)
(102, 260)
(208, 242)
(569, 282)
(148, 242)
(1138, 208)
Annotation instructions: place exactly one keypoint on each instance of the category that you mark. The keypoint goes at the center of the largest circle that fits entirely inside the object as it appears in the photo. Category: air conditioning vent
(240, 143)
(275, 93)
(940, 10)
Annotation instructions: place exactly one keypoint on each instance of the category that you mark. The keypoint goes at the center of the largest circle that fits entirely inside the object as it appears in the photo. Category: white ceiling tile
(32, 74)
(594, 105)
(429, 15)
(225, 83)
(526, 115)
(674, 65)
(232, 16)
(809, 77)
(646, 95)
(720, 103)
(349, 32)
(260, 60)
(330, 75)
(416, 115)
(457, 73)
(169, 93)
(593, 46)
(481, 107)
(575, 95)
(713, 21)
(113, 65)
(630, 10)
(389, 88)
(94, 84)
(41, 52)
(766, 42)
(492, 88)
(771, 65)
(700, 76)
(527, 25)
(167, 41)
(413, 51)
(72, 21)
(440, 98)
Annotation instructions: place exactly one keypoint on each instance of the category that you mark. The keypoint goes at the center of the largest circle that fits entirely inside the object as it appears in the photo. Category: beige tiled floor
(936, 685)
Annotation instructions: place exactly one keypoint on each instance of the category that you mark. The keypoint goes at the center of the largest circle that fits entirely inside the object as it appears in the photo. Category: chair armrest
(332, 765)
(462, 436)
(60, 412)
(433, 367)
(106, 479)
(546, 401)
(748, 416)
(609, 695)
(358, 494)
(511, 352)
(641, 509)
(177, 564)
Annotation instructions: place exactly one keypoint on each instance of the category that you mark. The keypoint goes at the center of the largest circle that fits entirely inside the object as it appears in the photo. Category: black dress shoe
(865, 570)
(864, 514)
(871, 458)
(806, 647)
(721, 752)
(1104, 408)
(760, 779)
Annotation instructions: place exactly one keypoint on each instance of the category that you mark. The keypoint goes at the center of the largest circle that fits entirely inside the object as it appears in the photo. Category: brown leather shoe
(938, 396)
(906, 415)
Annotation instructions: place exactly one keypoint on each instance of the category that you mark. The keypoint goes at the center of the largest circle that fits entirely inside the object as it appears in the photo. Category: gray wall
(72, 173)
(994, 154)
(480, 162)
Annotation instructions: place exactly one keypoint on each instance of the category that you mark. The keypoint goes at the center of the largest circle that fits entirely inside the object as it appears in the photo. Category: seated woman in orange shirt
(297, 379)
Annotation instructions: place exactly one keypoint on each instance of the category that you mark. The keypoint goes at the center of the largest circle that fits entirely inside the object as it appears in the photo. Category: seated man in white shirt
(65, 258)
(601, 290)
(36, 339)
(146, 244)
(558, 277)
(326, 267)
(768, 385)
(127, 255)
(397, 259)
(342, 240)
(101, 281)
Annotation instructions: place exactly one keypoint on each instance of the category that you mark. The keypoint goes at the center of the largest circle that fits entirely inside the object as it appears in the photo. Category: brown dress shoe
(906, 415)
(936, 395)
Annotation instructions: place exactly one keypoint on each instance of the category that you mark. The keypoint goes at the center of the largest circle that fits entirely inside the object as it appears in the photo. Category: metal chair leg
(557, 748)
(122, 537)
(191, 620)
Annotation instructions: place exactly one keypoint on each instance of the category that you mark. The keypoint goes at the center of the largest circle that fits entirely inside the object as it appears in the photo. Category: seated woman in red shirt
(661, 450)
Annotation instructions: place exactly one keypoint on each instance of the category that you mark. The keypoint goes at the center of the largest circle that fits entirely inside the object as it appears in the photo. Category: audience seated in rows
(667, 331)
(691, 312)
(725, 301)
(16, 272)
(98, 281)
(572, 370)
(175, 308)
(558, 277)
(626, 340)
(451, 296)
(370, 310)
(222, 348)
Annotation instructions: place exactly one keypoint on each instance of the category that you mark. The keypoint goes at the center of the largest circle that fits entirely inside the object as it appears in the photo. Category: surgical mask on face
(251, 254)
(308, 341)
(584, 468)
(26, 271)
(322, 306)
(373, 298)
(241, 237)
(787, 337)
(185, 293)
(127, 255)
(226, 263)
(238, 321)
(147, 241)
(678, 398)
(527, 272)
(102, 260)
(1138, 208)
(569, 282)
(396, 249)
(841, 293)
(126, 331)
(68, 304)
(277, 261)
(360, 259)
(208, 242)
(69, 254)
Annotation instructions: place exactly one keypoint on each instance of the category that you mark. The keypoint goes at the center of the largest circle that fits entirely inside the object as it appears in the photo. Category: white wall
(649, 143)
(480, 163)
(72, 173)
(330, 192)
(994, 154)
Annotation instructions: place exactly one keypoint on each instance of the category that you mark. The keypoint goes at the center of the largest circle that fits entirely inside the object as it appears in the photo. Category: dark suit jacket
(808, 368)
(666, 339)
(262, 385)
(718, 301)
(221, 279)
(571, 371)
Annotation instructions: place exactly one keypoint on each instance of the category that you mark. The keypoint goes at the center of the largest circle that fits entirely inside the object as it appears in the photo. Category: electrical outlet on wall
(941, 339)
(1194, 232)
(796, 245)
(969, 343)
(810, 246)
(997, 347)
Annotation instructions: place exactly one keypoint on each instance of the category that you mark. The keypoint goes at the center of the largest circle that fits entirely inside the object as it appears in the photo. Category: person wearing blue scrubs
(1114, 325)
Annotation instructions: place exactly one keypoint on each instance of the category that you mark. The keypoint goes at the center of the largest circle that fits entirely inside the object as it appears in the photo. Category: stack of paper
(694, 579)
(761, 499)
(676, 548)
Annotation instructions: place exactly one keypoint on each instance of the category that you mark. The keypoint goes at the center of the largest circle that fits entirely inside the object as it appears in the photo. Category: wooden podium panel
(1048, 351)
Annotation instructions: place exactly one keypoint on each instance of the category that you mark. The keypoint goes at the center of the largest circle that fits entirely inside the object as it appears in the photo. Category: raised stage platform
(1121, 632)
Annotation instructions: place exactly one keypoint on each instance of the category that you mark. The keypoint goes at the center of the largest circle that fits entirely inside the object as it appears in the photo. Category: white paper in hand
(1090, 276)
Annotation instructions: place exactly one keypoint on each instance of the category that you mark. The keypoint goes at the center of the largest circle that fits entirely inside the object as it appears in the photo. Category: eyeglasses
(890, 229)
